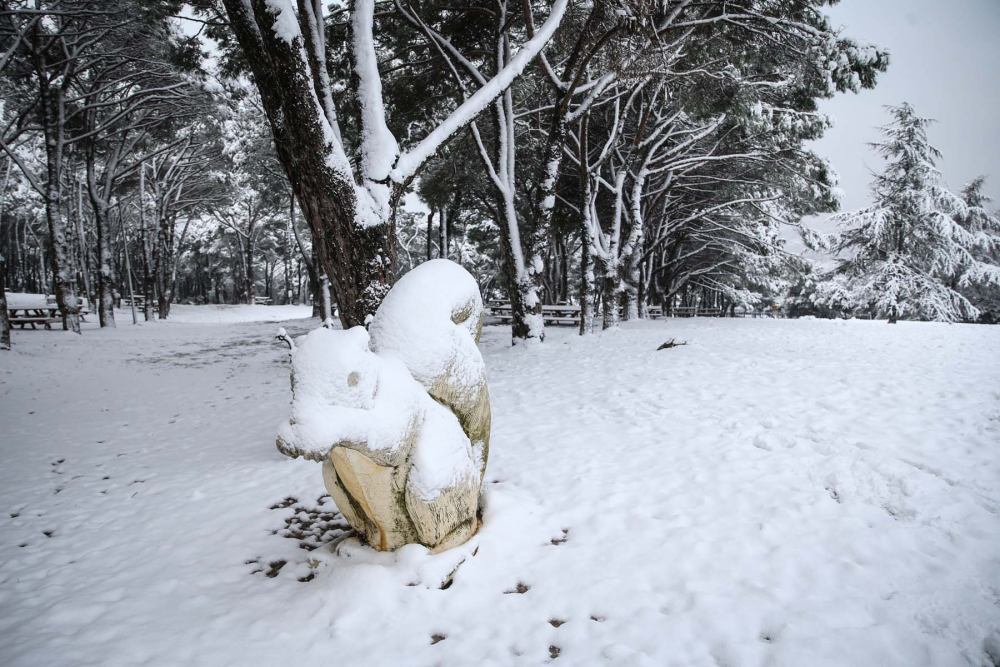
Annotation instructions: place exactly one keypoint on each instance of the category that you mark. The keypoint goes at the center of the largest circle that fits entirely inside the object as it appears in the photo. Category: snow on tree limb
(378, 146)
(411, 160)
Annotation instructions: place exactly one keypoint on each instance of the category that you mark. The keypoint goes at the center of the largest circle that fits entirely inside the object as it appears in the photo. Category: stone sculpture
(399, 415)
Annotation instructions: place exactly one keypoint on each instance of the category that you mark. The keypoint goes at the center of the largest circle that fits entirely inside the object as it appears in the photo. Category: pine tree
(919, 243)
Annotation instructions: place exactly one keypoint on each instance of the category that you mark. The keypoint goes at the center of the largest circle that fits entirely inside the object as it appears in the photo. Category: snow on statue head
(400, 419)
(336, 368)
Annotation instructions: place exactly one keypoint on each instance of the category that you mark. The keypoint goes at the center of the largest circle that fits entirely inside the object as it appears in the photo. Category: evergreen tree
(919, 243)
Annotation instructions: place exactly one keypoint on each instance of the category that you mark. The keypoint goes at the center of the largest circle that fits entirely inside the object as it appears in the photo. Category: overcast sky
(945, 60)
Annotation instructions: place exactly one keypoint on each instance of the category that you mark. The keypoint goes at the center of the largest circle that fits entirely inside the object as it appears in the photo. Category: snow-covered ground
(800, 493)
(219, 314)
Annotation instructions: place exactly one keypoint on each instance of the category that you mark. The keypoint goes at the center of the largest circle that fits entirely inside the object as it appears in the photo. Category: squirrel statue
(399, 414)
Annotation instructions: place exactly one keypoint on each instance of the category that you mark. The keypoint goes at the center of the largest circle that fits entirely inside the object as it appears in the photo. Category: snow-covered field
(798, 493)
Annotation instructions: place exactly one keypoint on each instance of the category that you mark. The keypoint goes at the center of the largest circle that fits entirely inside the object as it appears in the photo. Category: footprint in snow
(520, 589)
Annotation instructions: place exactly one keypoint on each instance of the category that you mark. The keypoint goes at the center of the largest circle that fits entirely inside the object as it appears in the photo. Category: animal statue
(399, 414)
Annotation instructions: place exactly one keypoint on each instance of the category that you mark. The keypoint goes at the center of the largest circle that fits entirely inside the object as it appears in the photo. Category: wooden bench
(262, 301)
(551, 314)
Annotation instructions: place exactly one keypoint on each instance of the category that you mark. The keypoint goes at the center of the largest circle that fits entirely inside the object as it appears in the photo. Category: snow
(219, 314)
(378, 146)
(774, 492)
(286, 25)
(182, 313)
(410, 161)
(343, 392)
(29, 300)
(25, 300)
(442, 457)
(414, 324)
(370, 393)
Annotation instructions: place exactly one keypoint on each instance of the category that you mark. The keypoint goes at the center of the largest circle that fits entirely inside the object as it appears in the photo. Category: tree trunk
(443, 232)
(611, 295)
(82, 239)
(248, 267)
(630, 295)
(4, 319)
(430, 232)
(359, 259)
(564, 271)
(65, 287)
(523, 297)
(164, 291)
(147, 275)
(289, 292)
(326, 309)
(525, 306)
(105, 281)
(316, 288)
(586, 289)
(542, 223)
(147, 251)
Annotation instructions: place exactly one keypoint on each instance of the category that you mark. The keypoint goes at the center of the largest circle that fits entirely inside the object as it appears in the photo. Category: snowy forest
(499, 332)
(616, 155)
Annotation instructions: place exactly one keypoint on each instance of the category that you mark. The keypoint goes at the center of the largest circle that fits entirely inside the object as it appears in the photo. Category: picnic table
(33, 315)
(556, 313)
(262, 301)
(140, 303)
(34, 310)
(695, 311)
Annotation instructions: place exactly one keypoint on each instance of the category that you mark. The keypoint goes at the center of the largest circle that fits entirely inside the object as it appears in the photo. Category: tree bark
(248, 267)
(82, 239)
(4, 318)
(360, 260)
(430, 232)
(443, 232)
(164, 255)
(53, 120)
(105, 279)
(289, 292)
(586, 289)
(611, 295)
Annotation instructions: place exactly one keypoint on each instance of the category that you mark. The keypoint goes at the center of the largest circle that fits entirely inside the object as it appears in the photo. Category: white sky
(945, 60)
